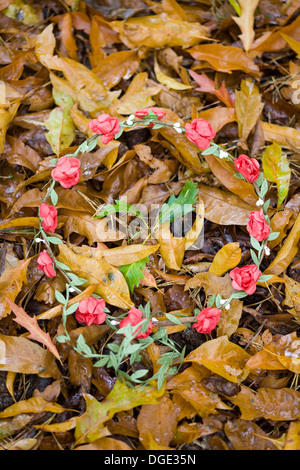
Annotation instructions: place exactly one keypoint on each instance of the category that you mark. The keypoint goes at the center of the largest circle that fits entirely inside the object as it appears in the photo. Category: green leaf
(178, 206)
(60, 123)
(54, 240)
(60, 298)
(273, 236)
(119, 206)
(54, 197)
(265, 278)
(173, 319)
(255, 243)
(277, 170)
(236, 6)
(134, 272)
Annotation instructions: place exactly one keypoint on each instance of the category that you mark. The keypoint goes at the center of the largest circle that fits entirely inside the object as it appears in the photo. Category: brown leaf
(158, 421)
(225, 58)
(11, 283)
(31, 325)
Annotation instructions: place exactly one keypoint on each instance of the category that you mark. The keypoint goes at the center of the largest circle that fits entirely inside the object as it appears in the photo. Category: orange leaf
(31, 324)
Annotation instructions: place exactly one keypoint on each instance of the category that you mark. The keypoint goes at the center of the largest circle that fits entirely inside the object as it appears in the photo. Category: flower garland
(138, 324)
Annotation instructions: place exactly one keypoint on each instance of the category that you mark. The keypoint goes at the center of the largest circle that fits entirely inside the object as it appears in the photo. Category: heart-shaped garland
(138, 324)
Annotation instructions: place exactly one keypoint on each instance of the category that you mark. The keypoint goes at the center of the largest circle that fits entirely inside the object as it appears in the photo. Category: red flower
(105, 125)
(200, 133)
(245, 278)
(134, 317)
(49, 216)
(248, 167)
(91, 311)
(145, 112)
(45, 264)
(257, 226)
(207, 320)
(67, 171)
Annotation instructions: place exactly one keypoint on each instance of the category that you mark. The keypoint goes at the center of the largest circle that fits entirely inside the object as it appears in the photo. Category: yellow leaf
(288, 251)
(295, 45)
(222, 357)
(287, 137)
(11, 283)
(169, 82)
(228, 257)
(171, 249)
(248, 108)
(158, 31)
(32, 405)
(128, 254)
(89, 264)
(246, 22)
(138, 95)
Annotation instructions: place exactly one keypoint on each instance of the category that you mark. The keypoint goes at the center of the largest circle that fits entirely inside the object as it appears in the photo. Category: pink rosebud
(248, 167)
(105, 125)
(257, 226)
(45, 264)
(245, 278)
(207, 320)
(134, 317)
(145, 112)
(67, 171)
(49, 216)
(91, 311)
(200, 132)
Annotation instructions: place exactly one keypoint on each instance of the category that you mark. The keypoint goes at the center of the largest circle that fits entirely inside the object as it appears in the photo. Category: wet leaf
(18, 354)
(248, 106)
(158, 421)
(245, 21)
(11, 283)
(159, 31)
(273, 404)
(31, 324)
(225, 58)
(227, 258)
(223, 358)
(89, 264)
(90, 426)
(277, 170)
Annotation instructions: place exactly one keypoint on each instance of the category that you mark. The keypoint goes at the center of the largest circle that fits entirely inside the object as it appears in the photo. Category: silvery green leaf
(72, 309)
(54, 240)
(273, 236)
(255, 243)
(62, 266)
(264, 278)
(173, 319)
(61, 339)
(54, 197)
(60, 298)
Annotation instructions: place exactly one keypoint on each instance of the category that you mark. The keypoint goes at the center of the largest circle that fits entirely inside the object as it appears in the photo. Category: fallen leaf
(246, 22)
(227, 258)
(277, 170)
(31, 325)
(90, 265)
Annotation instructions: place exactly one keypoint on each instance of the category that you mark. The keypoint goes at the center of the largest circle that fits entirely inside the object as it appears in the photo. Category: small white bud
(177, 124)
(260, 202)
(39, 240)
(267, 251)
(177, 129)
(223, 301)
(114, 322)
(71, 289)
(154, 319)
(223, 154)
(227, 307)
